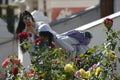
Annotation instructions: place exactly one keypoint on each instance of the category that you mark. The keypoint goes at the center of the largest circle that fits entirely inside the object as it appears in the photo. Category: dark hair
(88, 34)
(48, 35)
(21, 24)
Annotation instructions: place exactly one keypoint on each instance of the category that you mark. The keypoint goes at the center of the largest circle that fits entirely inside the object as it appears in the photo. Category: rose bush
(25, 43)
(10, 68)
(98, 63)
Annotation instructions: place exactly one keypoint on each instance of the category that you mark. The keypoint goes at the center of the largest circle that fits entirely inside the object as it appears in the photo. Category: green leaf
(93, 49)
(81, 55)
(114, 45)
(114, 35)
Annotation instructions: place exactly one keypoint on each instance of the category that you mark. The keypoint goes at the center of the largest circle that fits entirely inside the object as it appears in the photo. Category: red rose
(5, 62)
(37, 40)
(15, 70)
(19, 36)
(108, 22)
(23, 35)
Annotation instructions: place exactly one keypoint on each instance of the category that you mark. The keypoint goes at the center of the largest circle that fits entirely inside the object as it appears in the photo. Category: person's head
(23, 19)
(46, 27)
(88, 35)
(45, 31)
(46, 35)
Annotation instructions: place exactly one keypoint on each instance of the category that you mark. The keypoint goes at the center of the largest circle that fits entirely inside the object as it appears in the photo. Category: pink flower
(77, 58)
(16, 60)
(77, 74)
(108, 22)
(93, 67)
(5, 62)
(30, 73)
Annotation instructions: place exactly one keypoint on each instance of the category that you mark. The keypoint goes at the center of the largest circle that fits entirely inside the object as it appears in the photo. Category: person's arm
(31, 29)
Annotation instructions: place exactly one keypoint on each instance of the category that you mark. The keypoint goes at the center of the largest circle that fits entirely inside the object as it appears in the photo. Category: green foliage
(49, 62)
(98, 63)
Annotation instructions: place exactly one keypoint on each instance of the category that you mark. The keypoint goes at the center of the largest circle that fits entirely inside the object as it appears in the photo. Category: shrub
(98, 63)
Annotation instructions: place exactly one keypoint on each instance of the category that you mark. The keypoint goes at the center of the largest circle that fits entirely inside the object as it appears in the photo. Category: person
(46, 39)
(78, 39)
(26, 24)
(66, 42)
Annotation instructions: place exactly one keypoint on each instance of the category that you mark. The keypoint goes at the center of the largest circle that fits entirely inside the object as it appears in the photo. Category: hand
(30, 28)
(28, 24)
